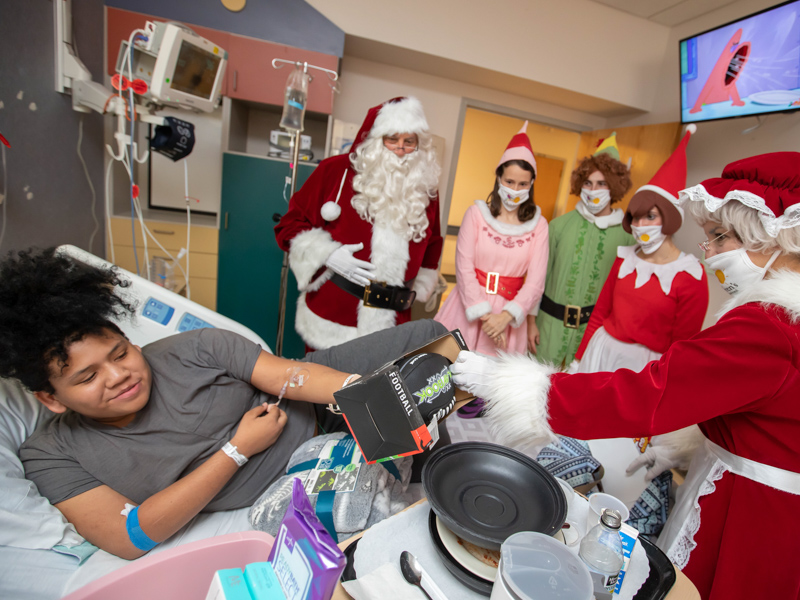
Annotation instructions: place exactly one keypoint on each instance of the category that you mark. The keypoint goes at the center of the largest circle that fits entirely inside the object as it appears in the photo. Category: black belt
(573, 316)
(378, 294)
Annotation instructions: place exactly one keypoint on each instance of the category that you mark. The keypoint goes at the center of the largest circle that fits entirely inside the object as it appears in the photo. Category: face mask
(511, 199)
(649, 237)
(735, 271)
(595, 200)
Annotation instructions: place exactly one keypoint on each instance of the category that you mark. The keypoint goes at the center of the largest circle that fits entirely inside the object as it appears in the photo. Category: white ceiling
(667, 12)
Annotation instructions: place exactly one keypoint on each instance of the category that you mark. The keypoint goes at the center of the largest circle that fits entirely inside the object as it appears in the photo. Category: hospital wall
(49, 198)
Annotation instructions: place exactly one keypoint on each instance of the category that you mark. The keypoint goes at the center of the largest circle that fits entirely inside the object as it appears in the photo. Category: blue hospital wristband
(137, 536)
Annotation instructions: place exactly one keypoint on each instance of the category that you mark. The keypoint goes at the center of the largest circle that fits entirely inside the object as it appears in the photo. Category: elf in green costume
(583, 246)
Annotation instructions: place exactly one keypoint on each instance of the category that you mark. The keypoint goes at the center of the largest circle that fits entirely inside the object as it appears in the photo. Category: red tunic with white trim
(327, 315)
(662, 309)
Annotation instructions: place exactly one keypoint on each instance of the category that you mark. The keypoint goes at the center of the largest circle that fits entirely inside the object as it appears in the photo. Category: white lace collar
(781, 288)
(507, 228)
(665, 273)
(604, 222)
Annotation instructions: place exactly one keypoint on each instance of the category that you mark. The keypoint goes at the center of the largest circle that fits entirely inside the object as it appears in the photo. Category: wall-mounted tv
(745, 68)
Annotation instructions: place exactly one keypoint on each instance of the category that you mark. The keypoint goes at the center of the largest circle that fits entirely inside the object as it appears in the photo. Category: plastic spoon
(415, 574)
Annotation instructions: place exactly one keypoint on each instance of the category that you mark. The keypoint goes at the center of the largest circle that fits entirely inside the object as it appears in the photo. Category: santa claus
(363, 233)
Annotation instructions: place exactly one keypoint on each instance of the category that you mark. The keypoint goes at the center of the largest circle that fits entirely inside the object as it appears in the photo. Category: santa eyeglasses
(396, 143)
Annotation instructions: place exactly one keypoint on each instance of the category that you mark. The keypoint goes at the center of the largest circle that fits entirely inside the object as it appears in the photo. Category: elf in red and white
(733, 529)
(655, 294)
(363, 232)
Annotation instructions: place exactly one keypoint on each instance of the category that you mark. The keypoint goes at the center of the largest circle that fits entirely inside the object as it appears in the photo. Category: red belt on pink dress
(507, 287)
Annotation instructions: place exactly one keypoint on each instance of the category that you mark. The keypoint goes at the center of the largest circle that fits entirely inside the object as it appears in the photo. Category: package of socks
(306, 559)
(395, 411)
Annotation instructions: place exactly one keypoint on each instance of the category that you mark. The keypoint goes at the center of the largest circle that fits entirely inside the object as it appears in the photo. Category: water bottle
(601, 551)
(294, 105)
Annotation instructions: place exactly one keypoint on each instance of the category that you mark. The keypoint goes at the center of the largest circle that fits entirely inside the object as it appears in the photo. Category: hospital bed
(29, 526)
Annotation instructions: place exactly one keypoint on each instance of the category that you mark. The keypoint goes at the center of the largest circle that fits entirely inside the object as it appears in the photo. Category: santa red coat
(740, 381)
(326, 314)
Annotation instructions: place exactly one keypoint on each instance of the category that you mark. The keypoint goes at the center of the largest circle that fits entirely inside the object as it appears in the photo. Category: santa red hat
(768, 183)
(519, 148)
(663, 190)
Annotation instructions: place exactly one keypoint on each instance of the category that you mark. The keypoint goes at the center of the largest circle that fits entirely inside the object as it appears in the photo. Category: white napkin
(375, 585)
(382, 545)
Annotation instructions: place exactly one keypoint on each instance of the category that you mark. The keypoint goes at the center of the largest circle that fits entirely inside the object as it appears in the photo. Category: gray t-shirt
(201, 388)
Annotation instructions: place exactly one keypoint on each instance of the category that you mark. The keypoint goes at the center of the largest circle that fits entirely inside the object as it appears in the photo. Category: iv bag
(294, 104)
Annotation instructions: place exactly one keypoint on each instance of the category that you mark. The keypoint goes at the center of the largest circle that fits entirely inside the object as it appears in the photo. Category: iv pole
(278, 63)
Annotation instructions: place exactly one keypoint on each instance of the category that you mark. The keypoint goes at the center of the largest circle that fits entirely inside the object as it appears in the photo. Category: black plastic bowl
(484, 493)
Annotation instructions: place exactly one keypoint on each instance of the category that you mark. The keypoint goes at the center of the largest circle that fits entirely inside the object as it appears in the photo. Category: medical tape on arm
(135, 534)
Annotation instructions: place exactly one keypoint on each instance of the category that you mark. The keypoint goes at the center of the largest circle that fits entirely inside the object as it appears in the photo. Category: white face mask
(649, 237)
(735, 271)
(511, 199)
(595, 200)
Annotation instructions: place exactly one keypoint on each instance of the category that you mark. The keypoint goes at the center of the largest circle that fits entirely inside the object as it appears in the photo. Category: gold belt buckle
(489, 288)
(368, 292)
(567, 323)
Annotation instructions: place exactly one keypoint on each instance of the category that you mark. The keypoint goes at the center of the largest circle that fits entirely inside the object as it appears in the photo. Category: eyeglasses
(406, 146)
(705, 246)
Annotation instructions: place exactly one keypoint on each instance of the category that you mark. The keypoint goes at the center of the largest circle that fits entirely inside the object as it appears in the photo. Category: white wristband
(233, 452)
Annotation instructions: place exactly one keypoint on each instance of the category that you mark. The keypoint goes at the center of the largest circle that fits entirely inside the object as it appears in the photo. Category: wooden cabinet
(249, 257)
(203, 253)
(251, 75)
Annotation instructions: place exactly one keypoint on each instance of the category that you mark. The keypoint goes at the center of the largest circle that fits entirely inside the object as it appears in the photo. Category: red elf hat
(519, 148)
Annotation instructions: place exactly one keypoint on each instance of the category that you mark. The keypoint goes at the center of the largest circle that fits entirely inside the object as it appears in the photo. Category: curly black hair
(49, 301)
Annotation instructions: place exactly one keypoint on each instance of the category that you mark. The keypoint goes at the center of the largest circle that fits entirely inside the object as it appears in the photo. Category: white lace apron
(709, 464)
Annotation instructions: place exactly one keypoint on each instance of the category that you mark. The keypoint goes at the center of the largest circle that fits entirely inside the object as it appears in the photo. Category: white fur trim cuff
(517, 402)
(425, 282)
(476, 311)
(405, 116)
(515, 310)
(308, 252)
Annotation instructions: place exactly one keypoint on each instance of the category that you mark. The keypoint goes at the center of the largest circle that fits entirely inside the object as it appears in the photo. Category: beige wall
(575, 45)
(365, 83)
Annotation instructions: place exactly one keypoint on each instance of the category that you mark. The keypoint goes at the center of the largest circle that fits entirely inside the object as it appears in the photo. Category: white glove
(472, 372)
(573, 366)
(343, 262)
(656, 459)
(668, 451)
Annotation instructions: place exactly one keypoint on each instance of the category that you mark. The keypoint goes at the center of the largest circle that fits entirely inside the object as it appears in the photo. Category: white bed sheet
(48, 575)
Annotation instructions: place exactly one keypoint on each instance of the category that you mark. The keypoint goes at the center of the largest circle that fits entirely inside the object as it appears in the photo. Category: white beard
(394, 191)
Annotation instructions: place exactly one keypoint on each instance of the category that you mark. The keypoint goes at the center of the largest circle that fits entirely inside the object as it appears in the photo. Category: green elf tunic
(583, 248)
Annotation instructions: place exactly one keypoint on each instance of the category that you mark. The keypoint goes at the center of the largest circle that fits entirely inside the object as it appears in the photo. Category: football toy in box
(395, 410)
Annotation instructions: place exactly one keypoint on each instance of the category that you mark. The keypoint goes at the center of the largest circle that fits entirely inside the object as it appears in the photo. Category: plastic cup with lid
(534, 566)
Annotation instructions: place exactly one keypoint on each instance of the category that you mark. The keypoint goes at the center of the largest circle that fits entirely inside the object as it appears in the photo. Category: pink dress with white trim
(512, 251)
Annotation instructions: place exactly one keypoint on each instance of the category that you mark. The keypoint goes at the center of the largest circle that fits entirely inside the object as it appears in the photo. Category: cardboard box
(381, 412)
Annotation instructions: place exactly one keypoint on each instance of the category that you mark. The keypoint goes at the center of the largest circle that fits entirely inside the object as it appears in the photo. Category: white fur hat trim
(405, 116)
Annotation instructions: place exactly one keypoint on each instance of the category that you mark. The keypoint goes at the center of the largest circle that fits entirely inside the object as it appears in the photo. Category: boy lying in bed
(183, 425)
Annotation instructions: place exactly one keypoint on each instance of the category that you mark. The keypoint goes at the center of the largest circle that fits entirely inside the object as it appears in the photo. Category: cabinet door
(248, 281)
(251, 75)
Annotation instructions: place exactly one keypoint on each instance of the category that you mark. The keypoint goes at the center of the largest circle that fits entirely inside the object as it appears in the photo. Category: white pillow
(27, 520)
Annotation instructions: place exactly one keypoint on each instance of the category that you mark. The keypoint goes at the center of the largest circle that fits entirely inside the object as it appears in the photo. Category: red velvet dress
(740, 381)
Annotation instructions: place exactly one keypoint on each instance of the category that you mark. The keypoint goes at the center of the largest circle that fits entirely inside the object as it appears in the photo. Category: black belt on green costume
(571, 315)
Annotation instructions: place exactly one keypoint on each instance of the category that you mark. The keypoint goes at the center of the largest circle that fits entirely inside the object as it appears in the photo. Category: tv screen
(745, 68)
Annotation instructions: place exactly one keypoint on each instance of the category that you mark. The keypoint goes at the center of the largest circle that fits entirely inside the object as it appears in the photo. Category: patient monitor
(160, 312)
(180, 68)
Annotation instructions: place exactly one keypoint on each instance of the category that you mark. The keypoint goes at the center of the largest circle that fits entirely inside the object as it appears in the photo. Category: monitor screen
(195, 71)
(748, 67)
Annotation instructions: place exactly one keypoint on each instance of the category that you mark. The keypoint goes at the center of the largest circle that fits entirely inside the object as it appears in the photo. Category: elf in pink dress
(501, 258)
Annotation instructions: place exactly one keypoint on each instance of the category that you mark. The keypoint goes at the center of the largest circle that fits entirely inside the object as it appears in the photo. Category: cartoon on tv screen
(748, 67)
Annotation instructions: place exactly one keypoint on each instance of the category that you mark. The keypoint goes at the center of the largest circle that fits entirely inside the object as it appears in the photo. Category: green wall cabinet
(248, 281)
